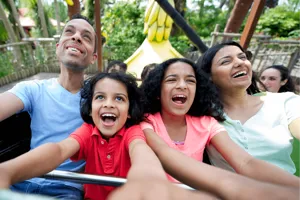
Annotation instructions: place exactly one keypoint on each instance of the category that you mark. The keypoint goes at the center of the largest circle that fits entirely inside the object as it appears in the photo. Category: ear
(282, 83)
(57, 44)
(128, 116)
(95, 56)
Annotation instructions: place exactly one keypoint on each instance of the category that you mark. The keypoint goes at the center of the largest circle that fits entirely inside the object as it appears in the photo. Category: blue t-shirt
(55, 114)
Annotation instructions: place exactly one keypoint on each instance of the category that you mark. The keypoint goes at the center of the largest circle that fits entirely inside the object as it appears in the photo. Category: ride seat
(15, 136)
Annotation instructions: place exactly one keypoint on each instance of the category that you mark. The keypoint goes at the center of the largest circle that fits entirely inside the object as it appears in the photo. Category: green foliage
(280, 21)
(181, 43)
(6, 66)
(63, 11)
(3, 33)
(203, 21)
(122, 26)
(33, 12)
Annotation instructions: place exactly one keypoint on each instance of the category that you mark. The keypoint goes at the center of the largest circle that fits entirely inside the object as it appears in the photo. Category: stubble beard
(73, 66)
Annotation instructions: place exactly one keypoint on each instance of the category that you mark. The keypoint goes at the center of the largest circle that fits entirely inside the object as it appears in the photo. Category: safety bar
(92, 179)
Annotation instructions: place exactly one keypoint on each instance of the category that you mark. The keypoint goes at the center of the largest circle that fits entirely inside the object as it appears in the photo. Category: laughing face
(110, 106)
(75, 49)
(178, 89)
(231, 69)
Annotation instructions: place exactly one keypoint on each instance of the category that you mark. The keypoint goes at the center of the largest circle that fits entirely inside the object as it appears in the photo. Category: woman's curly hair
(135, 110)
(206, 101)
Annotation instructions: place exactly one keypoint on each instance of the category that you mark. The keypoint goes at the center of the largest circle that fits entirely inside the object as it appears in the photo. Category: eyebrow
(242, 53)
(175, 75)
(84, 31)
(116, 94)
(69, 26)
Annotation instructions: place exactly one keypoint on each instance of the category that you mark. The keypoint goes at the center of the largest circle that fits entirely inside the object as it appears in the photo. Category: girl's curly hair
(206, 101)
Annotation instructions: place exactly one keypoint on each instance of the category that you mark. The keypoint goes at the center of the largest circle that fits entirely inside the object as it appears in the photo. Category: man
(116, 66)
(54, 104)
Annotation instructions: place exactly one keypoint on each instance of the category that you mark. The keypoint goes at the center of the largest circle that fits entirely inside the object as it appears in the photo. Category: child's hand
(160, 189)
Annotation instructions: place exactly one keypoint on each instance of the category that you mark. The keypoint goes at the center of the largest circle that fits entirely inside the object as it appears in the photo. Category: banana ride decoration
(156, 47)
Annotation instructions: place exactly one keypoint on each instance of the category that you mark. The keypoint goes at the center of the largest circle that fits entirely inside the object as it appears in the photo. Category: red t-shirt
(102, 157)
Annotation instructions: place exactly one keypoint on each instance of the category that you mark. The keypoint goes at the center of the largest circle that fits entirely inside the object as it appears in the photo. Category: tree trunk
(180, 6)
(42, 18)
(237, 16)
(75, 9)
(12, 37)
(57, 17)
(16, 17)
(222, 3)
(90, 7)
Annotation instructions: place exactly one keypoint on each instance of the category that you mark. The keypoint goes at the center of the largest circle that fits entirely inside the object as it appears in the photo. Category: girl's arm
(295, 128)
(245, 164)
(224, 184)
(147, 180)
(36, 162)
(145, 161)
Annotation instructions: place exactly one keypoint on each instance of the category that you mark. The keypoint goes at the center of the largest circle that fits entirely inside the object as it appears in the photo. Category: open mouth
(108, 118)
(179, 99)
(73, 49)
(239, 74)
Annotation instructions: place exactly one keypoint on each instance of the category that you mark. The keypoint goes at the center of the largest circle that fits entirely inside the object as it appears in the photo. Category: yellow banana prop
(156, 48)
(69, 2)
(155, 14)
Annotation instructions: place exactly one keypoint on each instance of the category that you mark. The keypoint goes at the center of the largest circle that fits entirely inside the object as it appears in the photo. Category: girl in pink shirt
(183, 108)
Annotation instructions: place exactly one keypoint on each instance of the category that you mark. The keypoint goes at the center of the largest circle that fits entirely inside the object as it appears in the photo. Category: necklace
(178, 142)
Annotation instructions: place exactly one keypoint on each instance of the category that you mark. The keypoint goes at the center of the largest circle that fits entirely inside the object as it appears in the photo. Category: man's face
(75, 49)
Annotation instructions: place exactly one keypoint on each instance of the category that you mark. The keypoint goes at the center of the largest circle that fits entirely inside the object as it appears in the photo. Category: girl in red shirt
(110, 139)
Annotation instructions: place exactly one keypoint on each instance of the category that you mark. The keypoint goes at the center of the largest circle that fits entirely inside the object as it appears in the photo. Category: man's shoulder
(36, 83)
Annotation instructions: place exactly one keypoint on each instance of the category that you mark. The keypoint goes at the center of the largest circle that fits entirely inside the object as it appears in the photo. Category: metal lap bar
(91, 179)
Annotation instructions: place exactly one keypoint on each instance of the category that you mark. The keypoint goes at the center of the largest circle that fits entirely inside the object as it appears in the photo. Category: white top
(265, 135)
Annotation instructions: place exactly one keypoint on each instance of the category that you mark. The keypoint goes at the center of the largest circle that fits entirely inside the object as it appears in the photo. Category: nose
(76, 37)
(181, 84)
(109, 103)
(238, 62)
(265, 82)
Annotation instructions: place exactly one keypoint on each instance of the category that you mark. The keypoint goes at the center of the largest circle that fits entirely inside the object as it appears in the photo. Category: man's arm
(222, 183)
(9, 105)
(37, 162)
(245, 164)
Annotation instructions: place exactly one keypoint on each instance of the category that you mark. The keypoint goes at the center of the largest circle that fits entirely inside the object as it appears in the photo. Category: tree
(16, 18)
(294, 5)
(204, 20)
(74, 9)
(57, 17)
(35, 13)
(12, 35)
(123, 23)
(41, 14)
(280, 21)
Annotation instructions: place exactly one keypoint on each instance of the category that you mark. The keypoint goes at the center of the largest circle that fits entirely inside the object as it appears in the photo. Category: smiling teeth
(73, 49)
(108, 115)
(240, 73)
(180, 96)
